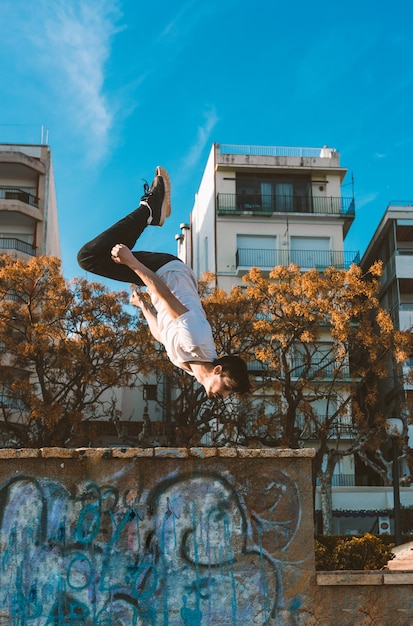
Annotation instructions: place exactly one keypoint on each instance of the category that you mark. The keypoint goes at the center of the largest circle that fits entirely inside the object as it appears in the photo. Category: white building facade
(262, 206)
(265, 206)
(28, 207)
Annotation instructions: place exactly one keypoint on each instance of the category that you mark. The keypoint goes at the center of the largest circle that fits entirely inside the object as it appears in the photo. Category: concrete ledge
(364, 578)
(348, 577)
(131, 453)
(182, 453)
(19, 453)
(64, 453)
(203, 453)
(171, 453)
(227, 452)
(398, 578)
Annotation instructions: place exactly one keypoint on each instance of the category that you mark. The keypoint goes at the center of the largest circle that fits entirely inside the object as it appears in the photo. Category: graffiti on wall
(193, 550)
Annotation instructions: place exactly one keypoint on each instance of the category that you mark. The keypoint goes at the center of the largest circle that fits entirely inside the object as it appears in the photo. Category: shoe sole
(166, 203)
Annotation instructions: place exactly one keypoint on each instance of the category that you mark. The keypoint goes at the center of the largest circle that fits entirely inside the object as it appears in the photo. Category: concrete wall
(382, 598)
(157, 536)
(177, 537)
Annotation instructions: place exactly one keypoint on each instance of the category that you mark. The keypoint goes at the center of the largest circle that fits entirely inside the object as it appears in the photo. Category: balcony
(10, 243)
(276, 151)
(267, 205)
(340, 429)
(9, 402)
(341, 480)
(246, 258)
(11, 193)
(321, 369)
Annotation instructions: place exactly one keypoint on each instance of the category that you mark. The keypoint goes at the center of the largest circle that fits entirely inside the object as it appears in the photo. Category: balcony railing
(10, 243)
(275, 151)
(341, 480)
(9, 402)
(318, 259)
(11, 193)
(341, 428)
(27, 134)
(258, 204)
(320, 369)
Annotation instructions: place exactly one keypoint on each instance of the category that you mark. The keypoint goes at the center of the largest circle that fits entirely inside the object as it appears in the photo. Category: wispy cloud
(364, 200)
(73, 43)
(202, 138)
(184, 21)
(81, 39)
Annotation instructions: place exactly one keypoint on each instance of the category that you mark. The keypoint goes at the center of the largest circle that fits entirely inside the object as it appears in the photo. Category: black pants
(95, 255)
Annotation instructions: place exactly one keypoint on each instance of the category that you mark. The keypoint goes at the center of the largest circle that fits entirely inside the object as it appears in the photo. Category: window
(150, 392)
(256, 251)
(310, 252)
(266, 193)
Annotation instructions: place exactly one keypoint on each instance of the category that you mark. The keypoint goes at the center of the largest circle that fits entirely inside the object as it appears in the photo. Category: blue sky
(124, 85)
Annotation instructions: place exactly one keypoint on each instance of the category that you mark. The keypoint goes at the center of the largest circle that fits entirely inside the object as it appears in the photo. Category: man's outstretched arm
(121, 254)
(148, 312)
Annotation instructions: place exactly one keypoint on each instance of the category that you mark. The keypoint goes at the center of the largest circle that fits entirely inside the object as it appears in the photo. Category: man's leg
(95, 256)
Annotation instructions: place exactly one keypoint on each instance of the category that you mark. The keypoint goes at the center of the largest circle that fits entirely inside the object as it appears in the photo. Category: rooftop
(324, 152)
(23, 134)
(263, 158)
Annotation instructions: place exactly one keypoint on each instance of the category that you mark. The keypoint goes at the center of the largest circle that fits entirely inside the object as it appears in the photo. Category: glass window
(263, 192)
(256, 251)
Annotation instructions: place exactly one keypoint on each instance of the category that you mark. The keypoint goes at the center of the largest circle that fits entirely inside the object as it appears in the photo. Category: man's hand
(149, 313)
(136, 299)
(157, 287)
(121, 254)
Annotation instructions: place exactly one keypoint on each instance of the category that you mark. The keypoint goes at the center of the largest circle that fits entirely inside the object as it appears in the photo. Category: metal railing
(319, 368)
(9, 402)
(341, 480)
(11, 193)
(340, 428)
(11, 243)
(23, 134)
(259, 204)
(276, 151)
(396, 203)
(318, 259)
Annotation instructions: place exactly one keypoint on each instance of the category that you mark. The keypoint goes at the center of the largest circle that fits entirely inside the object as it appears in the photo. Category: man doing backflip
(176, 317)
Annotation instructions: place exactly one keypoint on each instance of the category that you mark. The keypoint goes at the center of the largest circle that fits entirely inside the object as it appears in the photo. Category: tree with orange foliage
(63, 345)
(325, 347)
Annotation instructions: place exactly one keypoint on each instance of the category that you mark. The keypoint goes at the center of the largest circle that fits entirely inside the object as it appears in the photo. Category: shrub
(364, 553)
(324, 559)
(353, 553)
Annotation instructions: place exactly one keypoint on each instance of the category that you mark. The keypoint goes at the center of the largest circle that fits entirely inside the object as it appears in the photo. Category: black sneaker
(157, 197)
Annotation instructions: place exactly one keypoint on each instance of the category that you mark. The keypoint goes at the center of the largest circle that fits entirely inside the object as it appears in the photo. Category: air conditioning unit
(384, 525)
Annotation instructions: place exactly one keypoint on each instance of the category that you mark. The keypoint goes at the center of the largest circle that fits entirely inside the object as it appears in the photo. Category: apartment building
(264, 206)
(28, 208)
(392, 243)
(261, 206)
(29, 227)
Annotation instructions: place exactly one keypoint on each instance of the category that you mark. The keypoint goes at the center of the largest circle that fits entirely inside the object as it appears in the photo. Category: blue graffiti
(183, 553)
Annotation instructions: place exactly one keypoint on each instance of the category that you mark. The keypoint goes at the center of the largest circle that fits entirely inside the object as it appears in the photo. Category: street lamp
(394, 429)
